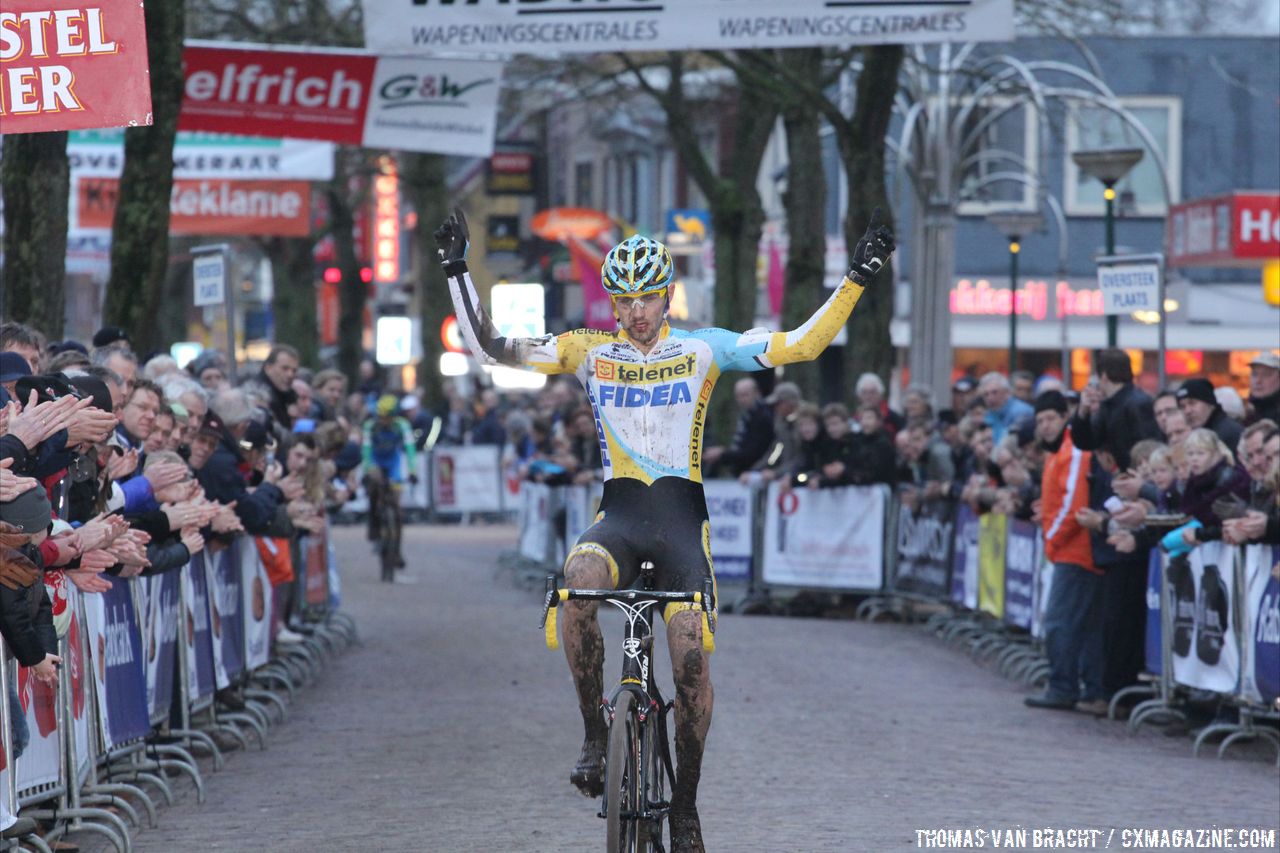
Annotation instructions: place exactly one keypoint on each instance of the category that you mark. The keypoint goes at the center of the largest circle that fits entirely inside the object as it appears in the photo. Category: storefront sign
(687, 230)
(1241, 229)
(502, 238)
(68, 67)
(558, 26)
(344, 96)
(207, 207)
(512, 169)
(1037, 299)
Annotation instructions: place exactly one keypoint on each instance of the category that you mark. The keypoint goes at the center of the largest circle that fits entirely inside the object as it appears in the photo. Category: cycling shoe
(588, 774)
(686, 832)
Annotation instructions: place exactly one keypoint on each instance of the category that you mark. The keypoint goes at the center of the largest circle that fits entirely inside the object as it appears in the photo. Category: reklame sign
(559, 26)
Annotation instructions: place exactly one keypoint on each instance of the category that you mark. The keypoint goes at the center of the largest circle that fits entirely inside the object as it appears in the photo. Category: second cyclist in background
(390, 458)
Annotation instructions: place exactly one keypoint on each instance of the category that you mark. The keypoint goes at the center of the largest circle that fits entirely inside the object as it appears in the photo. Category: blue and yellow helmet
(636, 265)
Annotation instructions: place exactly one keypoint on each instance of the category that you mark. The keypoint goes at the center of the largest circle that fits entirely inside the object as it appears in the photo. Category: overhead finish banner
(442, 106)
(100, 154)
(67, 66)
(561, 26)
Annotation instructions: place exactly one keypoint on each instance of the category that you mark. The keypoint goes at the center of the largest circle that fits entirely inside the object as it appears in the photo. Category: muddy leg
(584, 649)
(692, 673)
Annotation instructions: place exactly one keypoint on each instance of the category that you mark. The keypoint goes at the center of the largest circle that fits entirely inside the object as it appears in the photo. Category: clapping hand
(11, 485)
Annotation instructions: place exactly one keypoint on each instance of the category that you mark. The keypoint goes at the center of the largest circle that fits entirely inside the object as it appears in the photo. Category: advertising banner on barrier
(115, 649)
(315, 567)
(1260, 671)
(1021, 557)
(74, 660)
(197, 640)
(255, 604)
(993, 531)
(535, 521)
(443, 106)
(1205, 652)
(964, 559)
(100, 154)
(825, 538)
(1153, 652)
(160, 630)
(41, 763)
(466, 479)
(540, 27)
(731, 511)
(926, 535)
(222, 574)
(1044, 585)
(69, 67)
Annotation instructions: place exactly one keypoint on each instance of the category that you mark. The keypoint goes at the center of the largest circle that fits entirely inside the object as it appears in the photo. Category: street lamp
(1014, 225)
(1108, 165)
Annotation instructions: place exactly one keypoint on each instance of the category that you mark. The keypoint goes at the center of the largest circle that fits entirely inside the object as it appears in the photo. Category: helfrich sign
(559, 26)
(68, 66)
(344, 96)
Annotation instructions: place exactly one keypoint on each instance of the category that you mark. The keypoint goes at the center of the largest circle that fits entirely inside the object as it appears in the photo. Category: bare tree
(35, 180)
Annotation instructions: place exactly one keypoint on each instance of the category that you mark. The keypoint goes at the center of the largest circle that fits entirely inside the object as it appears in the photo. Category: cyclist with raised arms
(649, 386)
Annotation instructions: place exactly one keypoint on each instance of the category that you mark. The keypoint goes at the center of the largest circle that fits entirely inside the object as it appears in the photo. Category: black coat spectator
(1201, 409)
(1121, 420)
(754, 435)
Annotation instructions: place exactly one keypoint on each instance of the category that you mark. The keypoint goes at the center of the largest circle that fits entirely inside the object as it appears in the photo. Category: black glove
(452, 239)
(872, 251)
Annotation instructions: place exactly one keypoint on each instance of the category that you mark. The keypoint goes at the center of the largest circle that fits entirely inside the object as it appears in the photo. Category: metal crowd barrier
(136, 695)
(979, 582)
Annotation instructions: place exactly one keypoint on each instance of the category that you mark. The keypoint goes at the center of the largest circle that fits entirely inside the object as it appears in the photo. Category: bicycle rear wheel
(389, 550)
(622, 781)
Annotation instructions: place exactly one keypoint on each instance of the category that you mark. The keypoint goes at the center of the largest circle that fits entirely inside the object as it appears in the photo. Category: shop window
(1004, 138)
(1141, 192)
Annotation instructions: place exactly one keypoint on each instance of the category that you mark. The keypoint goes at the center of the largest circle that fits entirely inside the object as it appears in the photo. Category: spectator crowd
(111, 464)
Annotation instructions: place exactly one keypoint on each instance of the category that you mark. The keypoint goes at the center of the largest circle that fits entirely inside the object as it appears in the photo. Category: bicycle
(638, 766)
(385, 495)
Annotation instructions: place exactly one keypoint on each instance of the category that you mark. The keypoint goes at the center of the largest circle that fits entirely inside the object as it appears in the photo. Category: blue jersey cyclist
(390, 457)
(649, 386)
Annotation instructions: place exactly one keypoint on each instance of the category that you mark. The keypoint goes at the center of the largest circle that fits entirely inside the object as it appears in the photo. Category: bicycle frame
(637, 670)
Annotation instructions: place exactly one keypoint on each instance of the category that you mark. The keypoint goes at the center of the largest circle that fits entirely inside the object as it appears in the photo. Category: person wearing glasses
(649, 387)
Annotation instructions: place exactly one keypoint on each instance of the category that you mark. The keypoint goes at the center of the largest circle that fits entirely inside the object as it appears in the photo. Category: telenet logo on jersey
(645, 374)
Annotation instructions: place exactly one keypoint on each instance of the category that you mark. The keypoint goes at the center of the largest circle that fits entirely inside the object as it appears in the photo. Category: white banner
(581, 506)
(466, 479)
(444, 106)
(1206, 653)
(730, 508)
(1260, 664)
(825, 538)
(559, 26)
(100, 154)
(255, 589)
(41, 762)
(535, 521)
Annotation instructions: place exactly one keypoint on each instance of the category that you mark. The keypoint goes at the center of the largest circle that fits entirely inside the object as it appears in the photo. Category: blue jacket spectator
(1004, 410)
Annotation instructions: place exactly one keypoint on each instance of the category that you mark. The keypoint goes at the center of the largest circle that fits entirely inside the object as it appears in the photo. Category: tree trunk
(294, 305)
(870, 348)
(424, 182)
(36, 190)
(140, 230)
(805, 204)
(737, 215)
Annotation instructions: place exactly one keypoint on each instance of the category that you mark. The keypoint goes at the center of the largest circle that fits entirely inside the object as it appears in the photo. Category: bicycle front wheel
(623, 790)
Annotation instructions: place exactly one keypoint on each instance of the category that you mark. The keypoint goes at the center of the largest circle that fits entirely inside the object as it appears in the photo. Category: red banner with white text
(211, 206)
(66, 66)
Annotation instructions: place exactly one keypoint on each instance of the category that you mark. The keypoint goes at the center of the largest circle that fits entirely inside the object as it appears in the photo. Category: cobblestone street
(452, 728)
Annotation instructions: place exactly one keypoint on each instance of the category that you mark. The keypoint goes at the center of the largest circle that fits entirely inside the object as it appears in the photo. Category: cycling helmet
(636, 265)
(387, 405)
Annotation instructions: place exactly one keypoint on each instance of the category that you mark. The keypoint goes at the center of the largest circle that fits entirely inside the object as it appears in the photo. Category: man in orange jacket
(1073, 616)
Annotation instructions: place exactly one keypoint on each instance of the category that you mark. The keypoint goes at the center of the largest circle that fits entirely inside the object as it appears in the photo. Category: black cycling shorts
(665, 523)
